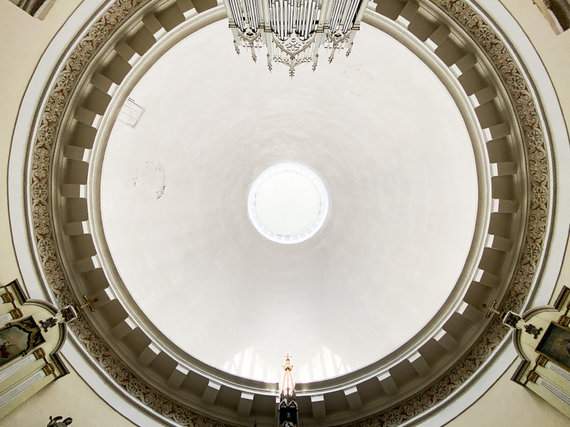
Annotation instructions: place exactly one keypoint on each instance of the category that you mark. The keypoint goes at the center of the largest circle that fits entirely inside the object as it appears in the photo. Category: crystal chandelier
(293, 31)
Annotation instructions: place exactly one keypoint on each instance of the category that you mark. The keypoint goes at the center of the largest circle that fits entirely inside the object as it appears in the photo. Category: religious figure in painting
(19, 338)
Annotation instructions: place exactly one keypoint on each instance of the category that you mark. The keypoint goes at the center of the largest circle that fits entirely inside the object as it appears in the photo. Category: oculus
(288, 203)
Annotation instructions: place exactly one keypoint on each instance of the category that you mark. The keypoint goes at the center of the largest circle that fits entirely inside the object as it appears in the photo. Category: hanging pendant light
(293, 31)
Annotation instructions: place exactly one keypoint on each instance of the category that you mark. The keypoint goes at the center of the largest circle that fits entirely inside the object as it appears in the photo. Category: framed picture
(19, 338)
(556, 12)
(36, 8)
(555, 345)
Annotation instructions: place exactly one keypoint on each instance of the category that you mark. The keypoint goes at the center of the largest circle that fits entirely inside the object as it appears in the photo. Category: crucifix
(88, 303)
(510, 319)
(491, 310)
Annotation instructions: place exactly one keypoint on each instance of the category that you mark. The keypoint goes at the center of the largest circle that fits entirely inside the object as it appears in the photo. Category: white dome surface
(394, 153)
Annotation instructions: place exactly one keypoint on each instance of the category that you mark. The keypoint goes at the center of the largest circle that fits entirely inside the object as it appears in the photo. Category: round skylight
(288, 203)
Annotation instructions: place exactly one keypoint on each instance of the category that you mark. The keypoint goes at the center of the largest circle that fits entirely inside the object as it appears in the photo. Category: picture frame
(556, 12)
(19, 338)
(555, 345)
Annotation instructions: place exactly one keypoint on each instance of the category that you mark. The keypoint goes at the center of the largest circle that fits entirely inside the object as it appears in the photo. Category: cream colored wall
(23, 39)
(507, 403)
(510, 404)
(553, 49)
(71, 397)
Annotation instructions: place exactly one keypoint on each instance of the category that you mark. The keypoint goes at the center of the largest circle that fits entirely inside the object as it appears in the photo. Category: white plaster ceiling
(386, 138)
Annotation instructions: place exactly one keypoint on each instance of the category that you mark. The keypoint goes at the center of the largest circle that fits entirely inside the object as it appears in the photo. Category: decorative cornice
(526, 272)
(528, 266)
(42, 225)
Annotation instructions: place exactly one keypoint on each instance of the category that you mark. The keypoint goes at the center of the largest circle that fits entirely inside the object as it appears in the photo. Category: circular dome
(162, 206)
(288, 203)
(393, 231)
